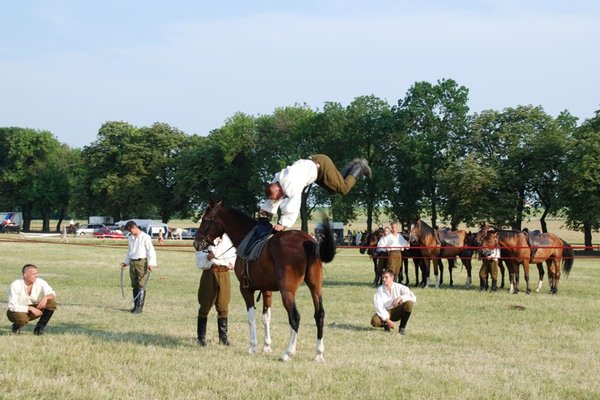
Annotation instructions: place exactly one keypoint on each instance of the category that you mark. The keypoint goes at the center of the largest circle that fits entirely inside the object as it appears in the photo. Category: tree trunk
(27, 217)
(587, 236)
(543, 221)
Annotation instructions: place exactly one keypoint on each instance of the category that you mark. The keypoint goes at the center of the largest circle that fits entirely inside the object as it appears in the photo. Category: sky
(68, 66)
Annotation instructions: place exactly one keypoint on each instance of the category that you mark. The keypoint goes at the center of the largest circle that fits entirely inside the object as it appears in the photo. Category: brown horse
(368, 242)
(288, 259)
(436, 245)
(519, 247)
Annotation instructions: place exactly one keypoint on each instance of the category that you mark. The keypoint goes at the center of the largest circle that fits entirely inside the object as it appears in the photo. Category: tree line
(428, 154)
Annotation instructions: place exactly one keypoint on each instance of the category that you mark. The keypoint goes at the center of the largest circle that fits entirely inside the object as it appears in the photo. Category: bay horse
(368, 242)
(518, 247)
(436, 245)
(288, 259)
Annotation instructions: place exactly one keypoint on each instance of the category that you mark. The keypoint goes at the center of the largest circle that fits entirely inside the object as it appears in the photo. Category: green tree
(435, 118)
(580, 179)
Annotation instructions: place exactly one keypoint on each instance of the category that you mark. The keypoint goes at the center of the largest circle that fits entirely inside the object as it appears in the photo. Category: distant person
(216, 264)
(393, 302)
(30, 298)
(285, 190)
(489, 266)
(141, 258)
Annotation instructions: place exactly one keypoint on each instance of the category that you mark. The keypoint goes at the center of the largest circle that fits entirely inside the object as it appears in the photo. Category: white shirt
(19, 300)
(494, 254)
(392, 242)
(141, 247)
(382, 300)
(224, 254)
(293, 180)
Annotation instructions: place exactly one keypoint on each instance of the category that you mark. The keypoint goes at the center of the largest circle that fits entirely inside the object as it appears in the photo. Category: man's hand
(35, 311)
(151, 267)
(278, 227)
(123, 265)
(210, 255)
(42, 303)
(396, 302)
(390, 324)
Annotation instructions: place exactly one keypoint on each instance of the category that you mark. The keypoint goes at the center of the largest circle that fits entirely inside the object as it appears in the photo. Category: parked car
(88, 229)
(107, 233)
(189, 233)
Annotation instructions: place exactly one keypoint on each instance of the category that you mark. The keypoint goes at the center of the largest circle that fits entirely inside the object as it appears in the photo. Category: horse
(288, 259)
(518, 247)
(438, 244)
(369, 243)
(175, 233)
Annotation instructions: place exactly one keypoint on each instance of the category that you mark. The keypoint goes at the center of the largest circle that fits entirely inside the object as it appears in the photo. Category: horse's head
(489, 242)
(210, 228)
(483, 231)
(367, 242)
(415, 231)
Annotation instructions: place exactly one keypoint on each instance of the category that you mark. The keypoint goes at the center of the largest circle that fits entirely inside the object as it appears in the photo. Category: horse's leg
(376, 278)
(450, 268)
(438, 271)
(526, 273)
(501, 265)
(248, 296)
(289, 303)
(266, 318)
(540, 267)
(425, 272)
(314, 281)
(405, 264)
(467, 263)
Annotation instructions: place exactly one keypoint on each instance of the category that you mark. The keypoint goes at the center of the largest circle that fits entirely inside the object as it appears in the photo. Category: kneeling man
(393, 302)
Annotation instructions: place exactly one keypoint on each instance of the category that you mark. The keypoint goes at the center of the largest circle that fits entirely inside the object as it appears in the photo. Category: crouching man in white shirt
(393, 302)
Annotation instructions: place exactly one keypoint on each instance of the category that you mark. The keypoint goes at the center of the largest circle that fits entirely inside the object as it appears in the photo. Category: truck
(11, 221)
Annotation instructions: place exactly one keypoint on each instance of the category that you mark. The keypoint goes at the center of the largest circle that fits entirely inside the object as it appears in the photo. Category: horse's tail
(568, 257)
(325, 248)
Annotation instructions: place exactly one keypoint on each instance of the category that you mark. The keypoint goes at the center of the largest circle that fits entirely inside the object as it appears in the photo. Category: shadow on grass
(350, 327)
(114, 336)
(345, 283)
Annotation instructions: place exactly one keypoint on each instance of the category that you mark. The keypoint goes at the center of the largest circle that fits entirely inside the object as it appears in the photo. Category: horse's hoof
(251, 350)
(320, 358)
(267, 349)
(284, 357)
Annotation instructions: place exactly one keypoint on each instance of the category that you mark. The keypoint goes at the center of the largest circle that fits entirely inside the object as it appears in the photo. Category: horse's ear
(211, 202)
(220, 203)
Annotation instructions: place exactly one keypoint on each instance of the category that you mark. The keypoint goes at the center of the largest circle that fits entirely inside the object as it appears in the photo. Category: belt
(219, 268)
(138, 259)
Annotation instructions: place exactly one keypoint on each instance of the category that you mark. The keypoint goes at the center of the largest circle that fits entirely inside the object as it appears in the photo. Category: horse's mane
(239, 214)
(509, 233)
(426, 228)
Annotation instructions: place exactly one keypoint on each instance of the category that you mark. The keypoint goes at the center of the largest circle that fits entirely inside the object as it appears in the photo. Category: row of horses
(517, 248)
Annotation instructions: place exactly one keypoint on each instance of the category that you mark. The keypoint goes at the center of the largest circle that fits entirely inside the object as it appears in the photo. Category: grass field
(461, 344)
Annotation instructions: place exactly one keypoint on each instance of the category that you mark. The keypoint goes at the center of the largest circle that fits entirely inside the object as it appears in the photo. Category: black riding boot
(39, 328)
(403, 322)
(482, 284)
(201, 331)
(139, 305)
(494, 285)
(135, 299)
(16, 329)
(222, 324)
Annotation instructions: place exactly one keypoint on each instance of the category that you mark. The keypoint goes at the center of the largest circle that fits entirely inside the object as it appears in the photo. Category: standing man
(141, 258)
(392, 301)
(490, 257)
(285, 190)
(30, 298)
(215, 286)
(394, 242)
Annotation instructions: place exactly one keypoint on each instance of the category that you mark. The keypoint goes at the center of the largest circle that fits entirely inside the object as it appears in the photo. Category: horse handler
(393, 302)
(141, 258)
(215, 286)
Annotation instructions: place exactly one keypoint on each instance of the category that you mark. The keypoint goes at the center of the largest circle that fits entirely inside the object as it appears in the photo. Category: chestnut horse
(517, 248)
(368, 242)
(288, 259)
(433, 248)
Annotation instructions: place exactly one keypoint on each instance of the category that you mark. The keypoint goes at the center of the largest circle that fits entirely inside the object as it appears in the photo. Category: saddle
(536, 239)
(446, 237)
(251, 247)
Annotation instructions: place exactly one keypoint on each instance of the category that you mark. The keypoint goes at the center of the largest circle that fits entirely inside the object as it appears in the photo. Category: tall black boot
(39, 328)
(135, 299)
(222, 324)
(16, 329)
(139, 305)
(482, 284)
(403, 322)
(494, 285)
(201, 330)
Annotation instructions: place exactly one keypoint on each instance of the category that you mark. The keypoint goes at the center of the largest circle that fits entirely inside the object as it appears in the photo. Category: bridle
(207, 238)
